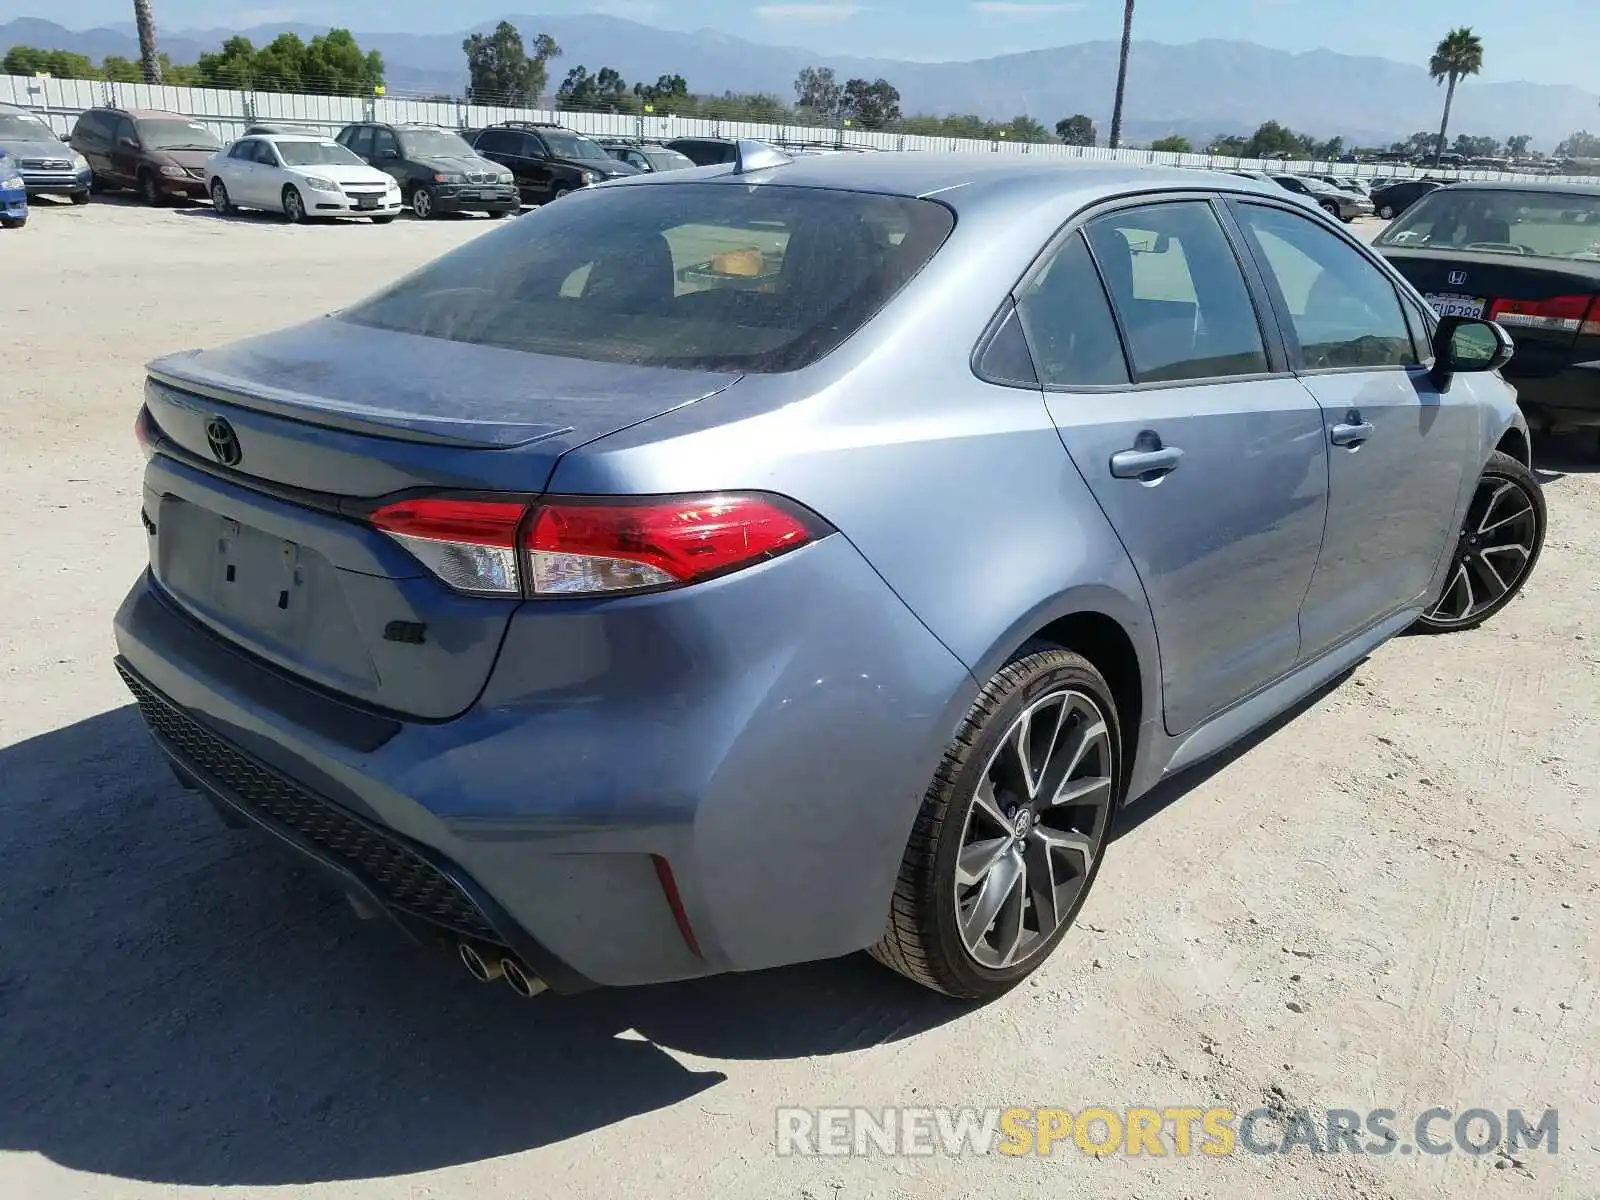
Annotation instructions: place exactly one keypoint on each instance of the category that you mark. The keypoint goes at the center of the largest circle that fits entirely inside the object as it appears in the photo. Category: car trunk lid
(270, 452)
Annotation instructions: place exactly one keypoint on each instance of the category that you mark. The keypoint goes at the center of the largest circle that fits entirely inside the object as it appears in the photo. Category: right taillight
(590, 546)
(145, 433)
(1558, 314)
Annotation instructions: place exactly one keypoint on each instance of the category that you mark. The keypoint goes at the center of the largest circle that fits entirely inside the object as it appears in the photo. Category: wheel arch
(1514, 441)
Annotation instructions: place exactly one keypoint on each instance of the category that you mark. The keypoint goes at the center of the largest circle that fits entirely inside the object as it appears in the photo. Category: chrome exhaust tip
(484, 970)
(523, 982)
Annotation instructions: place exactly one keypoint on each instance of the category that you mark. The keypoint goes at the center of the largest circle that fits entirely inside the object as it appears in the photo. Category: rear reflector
(1558, 314)
(587, 546)
(144, 432)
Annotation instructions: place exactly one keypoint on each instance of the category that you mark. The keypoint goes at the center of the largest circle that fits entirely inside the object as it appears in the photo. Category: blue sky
(1546, 41)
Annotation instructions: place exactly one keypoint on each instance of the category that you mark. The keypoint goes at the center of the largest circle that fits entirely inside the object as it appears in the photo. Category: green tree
(1228, 145)
(61, 64)
(1517, 147)
(1580, 145)
(503, 71)
(1025, 129)
(871, 105)
(144, 19)
(817, 90)
(178, 74)
(336, 65)
(231, 66)
(1476, 147)
(1076, 130)
(121, 70)
(1122, 74)
(1174, 143)
(604, 91)
(668, 94)
(1273, 140)
(1458, 54)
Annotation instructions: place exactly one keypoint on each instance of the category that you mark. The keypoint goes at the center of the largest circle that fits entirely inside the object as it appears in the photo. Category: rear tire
(991, 836)
(80, 198)
(1496, 551)
(1387, 212)
(1329, 207)
(13, 222)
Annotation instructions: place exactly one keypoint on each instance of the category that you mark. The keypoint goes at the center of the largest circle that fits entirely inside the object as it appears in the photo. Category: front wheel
(559, 191)
(219, 198)
(1387, 212)
(384, 220)
(13, 222)
(1011, 832)
(1496, 550)
(422, 204)
(149, 189)
(294, 206)
(80, 198)
(1329, 207)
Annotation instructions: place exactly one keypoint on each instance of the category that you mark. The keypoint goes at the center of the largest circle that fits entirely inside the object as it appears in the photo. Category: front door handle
(1352, 431)
(1147, 461)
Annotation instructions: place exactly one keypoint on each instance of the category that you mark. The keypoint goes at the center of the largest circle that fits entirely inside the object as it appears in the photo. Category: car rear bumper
(1569, 397)
(767, 738)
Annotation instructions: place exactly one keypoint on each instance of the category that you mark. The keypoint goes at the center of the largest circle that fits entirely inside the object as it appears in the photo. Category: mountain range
(1198, 89)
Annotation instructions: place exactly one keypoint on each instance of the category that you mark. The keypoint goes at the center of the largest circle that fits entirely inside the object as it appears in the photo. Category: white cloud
(808, 14)
(1019, 10)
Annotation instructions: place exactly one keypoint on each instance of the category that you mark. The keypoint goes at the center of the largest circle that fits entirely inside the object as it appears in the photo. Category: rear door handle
(1352, 431)
(1146, 462)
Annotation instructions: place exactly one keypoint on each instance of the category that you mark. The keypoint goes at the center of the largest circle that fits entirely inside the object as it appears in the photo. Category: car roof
(1498, 185)
(970, 181)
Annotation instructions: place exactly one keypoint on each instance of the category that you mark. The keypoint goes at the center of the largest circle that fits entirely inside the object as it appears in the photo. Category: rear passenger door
(1397, 447)
(1203, 450)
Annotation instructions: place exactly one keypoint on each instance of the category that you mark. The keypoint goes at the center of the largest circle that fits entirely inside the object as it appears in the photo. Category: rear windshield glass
(704, 276)
(1538, 224)
(667, 160)
(309, 154)
(163, 133)
(16, 127)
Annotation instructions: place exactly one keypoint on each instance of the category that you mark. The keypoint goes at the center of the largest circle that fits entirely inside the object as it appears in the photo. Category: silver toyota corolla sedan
(780, 559)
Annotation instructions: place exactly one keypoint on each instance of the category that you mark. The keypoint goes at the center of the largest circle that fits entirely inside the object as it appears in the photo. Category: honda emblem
(1457, 278)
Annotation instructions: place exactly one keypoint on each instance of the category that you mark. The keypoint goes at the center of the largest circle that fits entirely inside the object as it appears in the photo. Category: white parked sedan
(303, 177)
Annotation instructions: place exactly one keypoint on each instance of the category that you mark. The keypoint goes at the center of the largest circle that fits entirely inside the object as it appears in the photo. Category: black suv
(436, 169)
(548, 161)
(706, 151)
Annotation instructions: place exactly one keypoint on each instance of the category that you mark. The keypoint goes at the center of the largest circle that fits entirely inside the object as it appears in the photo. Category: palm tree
(1122, 75)
(1460, 54)
(151, 60)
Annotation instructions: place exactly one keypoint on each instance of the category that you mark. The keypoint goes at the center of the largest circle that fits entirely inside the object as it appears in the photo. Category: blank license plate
(368, 201)
(1455, 306)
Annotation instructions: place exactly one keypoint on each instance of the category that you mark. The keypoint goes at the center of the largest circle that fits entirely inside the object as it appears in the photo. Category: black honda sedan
(1526, 255)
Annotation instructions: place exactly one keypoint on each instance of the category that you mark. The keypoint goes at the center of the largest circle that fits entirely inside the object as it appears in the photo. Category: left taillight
(145, 432)
(1558, 314)
(590, 546)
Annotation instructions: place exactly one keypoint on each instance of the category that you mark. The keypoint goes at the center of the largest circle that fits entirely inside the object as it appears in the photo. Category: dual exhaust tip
(486, 965)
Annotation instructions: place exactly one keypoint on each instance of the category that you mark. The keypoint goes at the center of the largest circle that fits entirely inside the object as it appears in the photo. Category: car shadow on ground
(190, 1005)
(1559, 455)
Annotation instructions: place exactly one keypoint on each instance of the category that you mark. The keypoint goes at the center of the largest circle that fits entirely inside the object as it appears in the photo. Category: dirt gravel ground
(1387, 901)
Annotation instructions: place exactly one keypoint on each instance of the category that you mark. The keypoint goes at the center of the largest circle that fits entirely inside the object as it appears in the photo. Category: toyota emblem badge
(224, 442)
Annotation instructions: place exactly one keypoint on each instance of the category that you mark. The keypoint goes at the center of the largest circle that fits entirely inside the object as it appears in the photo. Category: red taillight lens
(469, 544)
(1559, 314)
(144, 432)
(587, 547)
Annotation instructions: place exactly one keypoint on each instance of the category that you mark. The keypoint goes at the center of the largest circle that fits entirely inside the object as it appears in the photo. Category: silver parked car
(737, 567)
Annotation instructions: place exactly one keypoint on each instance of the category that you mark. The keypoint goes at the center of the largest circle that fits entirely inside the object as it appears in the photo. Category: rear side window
(1344, 310)
(1068, 322)
(385, 144)
(499, 141)
(360, 141)
(1179, 293)
(693, 275)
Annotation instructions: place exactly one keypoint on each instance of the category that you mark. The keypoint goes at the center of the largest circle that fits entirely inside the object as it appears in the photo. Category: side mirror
(1467, 345)
(387, 154)
(128, 143)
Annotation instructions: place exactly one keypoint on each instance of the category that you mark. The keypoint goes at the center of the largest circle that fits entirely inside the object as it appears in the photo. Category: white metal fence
(228, 112)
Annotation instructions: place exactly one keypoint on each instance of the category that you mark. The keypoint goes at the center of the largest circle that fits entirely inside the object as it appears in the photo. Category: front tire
(1011, 832)
(1496, 550)
(149, 189)
(422, 205)
(80, 198)
(219, 198)
(1329, 207)
(383, 220)
(13, 222)
(559, 191)
(294, 206)
(1387, 212)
